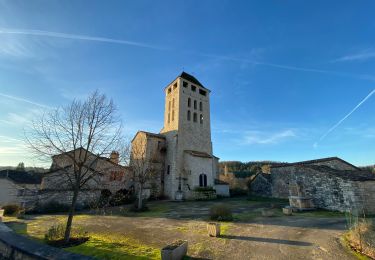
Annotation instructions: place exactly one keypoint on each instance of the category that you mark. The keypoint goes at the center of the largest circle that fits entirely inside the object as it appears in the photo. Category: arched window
(188, 115)
(169, 118)
(189, 102)
(172, 103)
(172, 115)
(200, 106)
(195, 117)
(203, 180)
(201, 118)
(195, 104)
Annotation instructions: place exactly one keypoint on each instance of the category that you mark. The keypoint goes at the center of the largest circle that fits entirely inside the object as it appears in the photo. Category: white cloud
(77, 37)
(21, 99)
(361, 56)
(257, 137)
(315, 145)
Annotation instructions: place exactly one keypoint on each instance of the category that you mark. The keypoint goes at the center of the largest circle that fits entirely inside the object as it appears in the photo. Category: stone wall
(16, 247)
(85, 197)
(261, 186)
(327, 191)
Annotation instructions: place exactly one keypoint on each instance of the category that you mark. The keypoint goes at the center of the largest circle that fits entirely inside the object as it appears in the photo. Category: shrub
(361, 237)
(11, 210)
(122, 197)
(221, 213)
(56, 233)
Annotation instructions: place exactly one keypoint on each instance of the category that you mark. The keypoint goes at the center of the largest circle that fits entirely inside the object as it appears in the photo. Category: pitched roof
(356, 175)
(309, 162)
(149, 134)
(190, 78)
(21, 177)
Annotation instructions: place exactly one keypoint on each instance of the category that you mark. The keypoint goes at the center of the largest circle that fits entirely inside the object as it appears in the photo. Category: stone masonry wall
(326, 190)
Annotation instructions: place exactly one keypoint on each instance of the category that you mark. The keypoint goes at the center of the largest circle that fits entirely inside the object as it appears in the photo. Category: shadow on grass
(268, 240)
(18, 227)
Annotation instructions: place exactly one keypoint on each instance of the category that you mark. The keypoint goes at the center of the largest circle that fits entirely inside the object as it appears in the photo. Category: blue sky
(290, 80)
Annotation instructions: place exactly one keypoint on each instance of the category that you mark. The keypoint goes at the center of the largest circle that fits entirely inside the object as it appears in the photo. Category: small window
(168, 169)
(195, 104)
(169, 105)
(173, 103)
(175, 85)
(200, 106)
(189, 102)
(193, 88)
(188, 115)
(185, 84)
(169, 118)
(172, 115)
(201, 118)
(169, 90)
(203, 180)
(195, 117)
(202, 92)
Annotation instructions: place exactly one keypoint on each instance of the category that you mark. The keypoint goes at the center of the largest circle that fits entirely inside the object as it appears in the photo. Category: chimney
(114, 157)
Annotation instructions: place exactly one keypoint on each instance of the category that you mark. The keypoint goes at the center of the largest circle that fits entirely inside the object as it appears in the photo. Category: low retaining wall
(13, 246)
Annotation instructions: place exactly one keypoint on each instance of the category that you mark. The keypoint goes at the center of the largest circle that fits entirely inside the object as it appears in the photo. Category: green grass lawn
(109, 246)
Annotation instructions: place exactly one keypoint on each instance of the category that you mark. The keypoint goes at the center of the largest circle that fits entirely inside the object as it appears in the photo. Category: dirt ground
(249, 236)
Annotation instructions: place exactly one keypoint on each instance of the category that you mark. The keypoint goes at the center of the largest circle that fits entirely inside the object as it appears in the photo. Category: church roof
(356, 175)
(190, 78)
(149, 134)
(313, 162)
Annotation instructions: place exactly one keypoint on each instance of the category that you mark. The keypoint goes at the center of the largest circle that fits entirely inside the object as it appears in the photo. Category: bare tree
(142, 165)
(82, 131)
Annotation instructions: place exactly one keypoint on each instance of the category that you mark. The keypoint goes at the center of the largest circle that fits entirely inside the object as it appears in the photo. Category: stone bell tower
(187, 128)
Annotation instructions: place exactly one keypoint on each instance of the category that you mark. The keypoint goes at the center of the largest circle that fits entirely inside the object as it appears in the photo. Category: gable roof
(149, 134)
(311, 162)
(190, 78)
(356, 175)
(21, 177)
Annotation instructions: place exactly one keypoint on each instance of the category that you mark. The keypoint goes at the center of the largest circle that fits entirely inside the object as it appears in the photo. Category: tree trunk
(140, 197)
(71, 215)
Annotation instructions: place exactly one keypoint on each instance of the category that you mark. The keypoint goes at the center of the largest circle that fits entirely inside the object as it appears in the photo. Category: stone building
(18, 187)
(331, 183)
(107, 175)
(183, 147)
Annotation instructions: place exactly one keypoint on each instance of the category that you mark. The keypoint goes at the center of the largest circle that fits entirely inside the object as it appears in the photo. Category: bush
(11, 210)
(54, 233)
(221, 213)
(361, 237)
(122, 197)
(57, 233)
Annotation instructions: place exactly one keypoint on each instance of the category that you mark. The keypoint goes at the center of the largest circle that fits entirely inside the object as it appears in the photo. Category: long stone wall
(326, 190)
(13, 246)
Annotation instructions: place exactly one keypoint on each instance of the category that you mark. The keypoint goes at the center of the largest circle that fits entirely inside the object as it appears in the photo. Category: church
(182, 151)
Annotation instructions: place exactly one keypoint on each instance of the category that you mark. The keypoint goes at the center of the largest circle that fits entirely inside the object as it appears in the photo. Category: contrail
(24, 100)
(78, 37)
(344, 118)
(155, 47)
